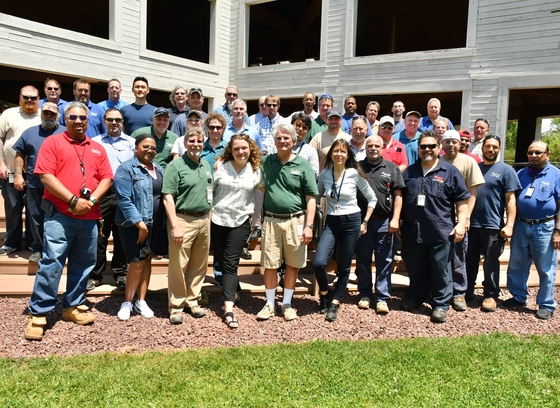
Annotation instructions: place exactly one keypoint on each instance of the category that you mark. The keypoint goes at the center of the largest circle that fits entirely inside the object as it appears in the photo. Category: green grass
(495, 370)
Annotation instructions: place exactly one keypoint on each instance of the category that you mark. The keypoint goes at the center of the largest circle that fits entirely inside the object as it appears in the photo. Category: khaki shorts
(281, 242)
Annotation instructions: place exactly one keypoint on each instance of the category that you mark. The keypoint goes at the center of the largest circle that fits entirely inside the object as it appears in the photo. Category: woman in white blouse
(237, 177)
(339, 182)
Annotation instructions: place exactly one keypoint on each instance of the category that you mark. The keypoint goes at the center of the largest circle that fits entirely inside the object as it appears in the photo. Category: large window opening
(389, 27)
(284, 31)
(91, 19)
(179, 28)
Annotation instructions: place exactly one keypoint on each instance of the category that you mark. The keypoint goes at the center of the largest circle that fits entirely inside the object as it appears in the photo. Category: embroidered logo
(295, 173)
(496, 175)
(95, 151)
(438, 178)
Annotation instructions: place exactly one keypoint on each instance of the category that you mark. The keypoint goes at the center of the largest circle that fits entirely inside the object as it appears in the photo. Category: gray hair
(287, 128)
(239, 101)
(75, 104)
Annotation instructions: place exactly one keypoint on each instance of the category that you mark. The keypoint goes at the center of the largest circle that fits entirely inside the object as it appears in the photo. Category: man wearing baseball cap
(195, 100)
(409, 136)
(393, 150)
(466, 138)
(165, 138)
(323, 141)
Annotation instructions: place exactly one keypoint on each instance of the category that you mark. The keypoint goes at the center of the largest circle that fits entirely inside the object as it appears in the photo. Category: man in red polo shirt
(393, 150)
(76, 173)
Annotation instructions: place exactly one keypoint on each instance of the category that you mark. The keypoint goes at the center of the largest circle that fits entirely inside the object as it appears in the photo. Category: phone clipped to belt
(47, 207)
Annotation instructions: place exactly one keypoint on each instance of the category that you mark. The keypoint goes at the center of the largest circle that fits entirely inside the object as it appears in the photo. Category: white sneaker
(124, 313)
(140, 306)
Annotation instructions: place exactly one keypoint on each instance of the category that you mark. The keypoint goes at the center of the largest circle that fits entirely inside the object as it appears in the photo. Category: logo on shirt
(384, 174)
(438, 178)
(295, 173)
(95, 151)
(496, 175)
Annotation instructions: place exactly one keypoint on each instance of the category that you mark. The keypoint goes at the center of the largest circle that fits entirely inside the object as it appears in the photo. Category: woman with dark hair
(141, 220)
(339, 182)
(302, 124)
(235, 182)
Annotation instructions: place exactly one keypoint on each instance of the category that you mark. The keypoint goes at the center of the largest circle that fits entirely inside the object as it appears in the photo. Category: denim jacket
(133, 187)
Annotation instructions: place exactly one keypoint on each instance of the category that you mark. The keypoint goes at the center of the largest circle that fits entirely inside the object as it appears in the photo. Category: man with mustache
(27, 149)
(13, 123)
(53, 90)
(82, 90)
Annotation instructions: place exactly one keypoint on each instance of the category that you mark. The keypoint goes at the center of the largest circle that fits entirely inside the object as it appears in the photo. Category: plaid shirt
(266, 130)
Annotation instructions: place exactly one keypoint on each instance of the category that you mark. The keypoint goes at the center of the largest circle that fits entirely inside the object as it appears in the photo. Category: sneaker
(92, 284)
(256, 234)
(176, 318)
(409, 305)
(512, 302)
(324, 302)
(78, 314)
(288, 312)
(544, 314)
(439, 315)
(126, 310)
(35, 257)
(246, 254)
(332, 313)
(34, 330)
(266, 312)
(197, 312)
(381, 307)
(364, 303)
(459, 304)
(140, 306)
(6, 250)
(489, 305)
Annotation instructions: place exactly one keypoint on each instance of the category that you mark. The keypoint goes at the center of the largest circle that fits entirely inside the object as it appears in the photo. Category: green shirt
(286, 186)
(317, 126)
(163, 146)
(188, 182)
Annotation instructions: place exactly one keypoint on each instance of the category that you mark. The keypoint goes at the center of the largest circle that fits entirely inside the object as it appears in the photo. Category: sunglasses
(111, 120)
(151, 148)
(537, 153)
(272, 105)
(428, 146)
(51, 88)
(326, 96)
(83, 118)
(384, 127)
(231, 94)
(213, 127)
(492, 137)
(27, 98)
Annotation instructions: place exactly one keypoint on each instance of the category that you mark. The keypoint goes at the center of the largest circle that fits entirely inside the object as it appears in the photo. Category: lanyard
(334, 193)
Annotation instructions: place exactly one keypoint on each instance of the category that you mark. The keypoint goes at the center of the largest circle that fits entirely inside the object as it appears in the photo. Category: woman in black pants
(235, 181)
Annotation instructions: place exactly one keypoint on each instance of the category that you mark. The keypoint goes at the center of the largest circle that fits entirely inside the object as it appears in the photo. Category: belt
(533, 222)
(284, 216)
(379, 217)
(192, 214)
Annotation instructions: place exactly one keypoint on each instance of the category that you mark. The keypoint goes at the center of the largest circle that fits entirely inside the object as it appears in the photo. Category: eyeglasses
(192, 120)
(213, 127)
(492, 137)
(27, 98)
(385, 127)
(151, 148)
(111, 120)
(272, 105)
(52, 88)
(83, 118)
(231, 94)
(326, 96)
(537, 153)
(482, 120)
(301, 125)
(428, 146)
(333, 191)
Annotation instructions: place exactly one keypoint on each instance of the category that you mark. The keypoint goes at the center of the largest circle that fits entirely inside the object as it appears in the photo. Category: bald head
(29, 99)
(374, 149)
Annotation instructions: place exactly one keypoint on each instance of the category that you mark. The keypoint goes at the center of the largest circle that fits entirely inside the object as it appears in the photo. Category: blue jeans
(13, 207)
(459, 266)
(429, 270)
(36, 216)
(378, 241)
(489, 243)
(533, 243)
(342, 231)
(64, 237)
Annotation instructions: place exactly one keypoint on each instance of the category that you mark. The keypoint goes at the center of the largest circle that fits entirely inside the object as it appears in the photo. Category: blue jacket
(133, 187)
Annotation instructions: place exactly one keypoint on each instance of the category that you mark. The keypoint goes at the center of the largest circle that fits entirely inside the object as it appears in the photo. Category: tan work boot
(78, 314)
(34, 330)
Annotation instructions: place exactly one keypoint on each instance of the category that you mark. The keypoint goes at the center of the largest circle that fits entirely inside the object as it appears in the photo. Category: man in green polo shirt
(289, 209)
(164, 138)
(187, 196)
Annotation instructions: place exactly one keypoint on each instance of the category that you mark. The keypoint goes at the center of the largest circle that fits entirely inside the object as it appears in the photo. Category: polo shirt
(163, 146)
(384, 178)
(119, 149)
(249, 130)
(287, 185)
(188, 182)
(410, 145)
(209, 153)
(317, 126)
(427, 124)
(136, 116)
(442, 187)
(174, 113)
(543, 201)
(395, 152)
(60, 156)
(347, 124)
(13, 122)
(29, 144)
(108, 104)
(488, 212)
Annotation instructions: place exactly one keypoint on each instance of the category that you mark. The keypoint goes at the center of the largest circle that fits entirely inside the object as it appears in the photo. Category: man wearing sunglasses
(75, 172)
(536, 232)
(53, 90)
(263, 111)
(225, 110)
(119, 148)
(266, 126)
(165, 138)
(393, 150)
(435, 195)
(13, 123)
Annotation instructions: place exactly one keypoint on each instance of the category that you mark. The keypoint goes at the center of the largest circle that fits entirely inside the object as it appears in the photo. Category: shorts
(281, 242)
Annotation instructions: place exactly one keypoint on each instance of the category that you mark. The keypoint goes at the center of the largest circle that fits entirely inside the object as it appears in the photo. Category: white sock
(288, 293)
(270, 295)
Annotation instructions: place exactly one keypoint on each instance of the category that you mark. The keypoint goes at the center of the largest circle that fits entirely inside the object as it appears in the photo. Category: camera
(85, 193)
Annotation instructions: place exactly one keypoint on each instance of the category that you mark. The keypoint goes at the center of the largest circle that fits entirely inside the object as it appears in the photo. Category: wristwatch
(93, 200)
(309, 225)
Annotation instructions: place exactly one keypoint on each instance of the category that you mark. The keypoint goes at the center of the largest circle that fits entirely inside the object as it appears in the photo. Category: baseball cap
(197, 113)
(386, 119)
(195, 90)
(465, 133)
(451, 134)
(334, 112)
(49, 106)
(160, 111)
(415, 113)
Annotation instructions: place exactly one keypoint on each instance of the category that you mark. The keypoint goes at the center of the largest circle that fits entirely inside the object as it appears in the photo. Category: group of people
(225, 178)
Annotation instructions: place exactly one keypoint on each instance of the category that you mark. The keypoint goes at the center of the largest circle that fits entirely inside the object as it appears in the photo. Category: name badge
(336, 209)
(300, 229)
(209, 195)
(421, 200)
(11, 177)
(530, 192)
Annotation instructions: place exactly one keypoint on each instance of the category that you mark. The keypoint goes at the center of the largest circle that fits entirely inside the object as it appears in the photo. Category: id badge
(530, 192)
(11, 177)
(300, 230)
(421, 200)
(209, 195)
(336, 209)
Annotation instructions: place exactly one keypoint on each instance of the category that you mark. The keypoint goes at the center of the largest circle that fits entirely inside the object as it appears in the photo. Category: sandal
(232, 324)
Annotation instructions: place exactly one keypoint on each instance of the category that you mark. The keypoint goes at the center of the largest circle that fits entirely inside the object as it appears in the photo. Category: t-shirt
(13, 122)
(323, 141)
(136, 116)
(472, 176)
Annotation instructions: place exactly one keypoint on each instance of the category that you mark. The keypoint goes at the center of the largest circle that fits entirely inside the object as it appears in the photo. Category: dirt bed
(139, 334)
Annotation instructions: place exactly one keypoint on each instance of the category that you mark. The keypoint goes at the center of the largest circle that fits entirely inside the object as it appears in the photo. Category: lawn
(495, 370)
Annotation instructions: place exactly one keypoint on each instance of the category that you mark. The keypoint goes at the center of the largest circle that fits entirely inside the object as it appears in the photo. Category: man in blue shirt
(238, 125)
(53, 91)
(350, 108)
(138, 114)
(82, 90)
(434, 108)
(114, 90)
(434, 195)
(27, 147)
(409, 136)
(536, 232)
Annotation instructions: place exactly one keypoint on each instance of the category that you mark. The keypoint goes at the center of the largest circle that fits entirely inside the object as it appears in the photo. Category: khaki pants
(188, 262)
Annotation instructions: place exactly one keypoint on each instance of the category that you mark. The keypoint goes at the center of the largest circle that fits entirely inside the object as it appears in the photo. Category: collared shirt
(266, 129)
(384, 178)
(347, 124)
(226, 113)
(360, 153)
(209, 153)
(109, 104)
(323, 141)
(256, 118)
(119, 149)
(317, 126)
(13, 122)
(410, 145)
(395, 152)
(542, 202)
(308, 154)
(427, 124)
(163, 146)
(249, 130)
(313, 115)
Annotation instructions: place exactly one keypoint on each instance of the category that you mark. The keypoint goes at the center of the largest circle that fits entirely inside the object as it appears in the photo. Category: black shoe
(121, 282)
(511, 302)
(544, 314)
(325, 302)
(332, 312)
(255, 234)
(246, 254)
(92, 283)
(409, 305)
(439, 315)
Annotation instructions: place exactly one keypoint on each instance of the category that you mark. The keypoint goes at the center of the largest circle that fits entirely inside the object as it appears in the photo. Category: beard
(48, 123)
(230, 106)
(30, 110)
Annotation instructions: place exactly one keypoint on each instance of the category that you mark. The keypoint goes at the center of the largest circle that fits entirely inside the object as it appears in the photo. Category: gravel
(139, 335)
